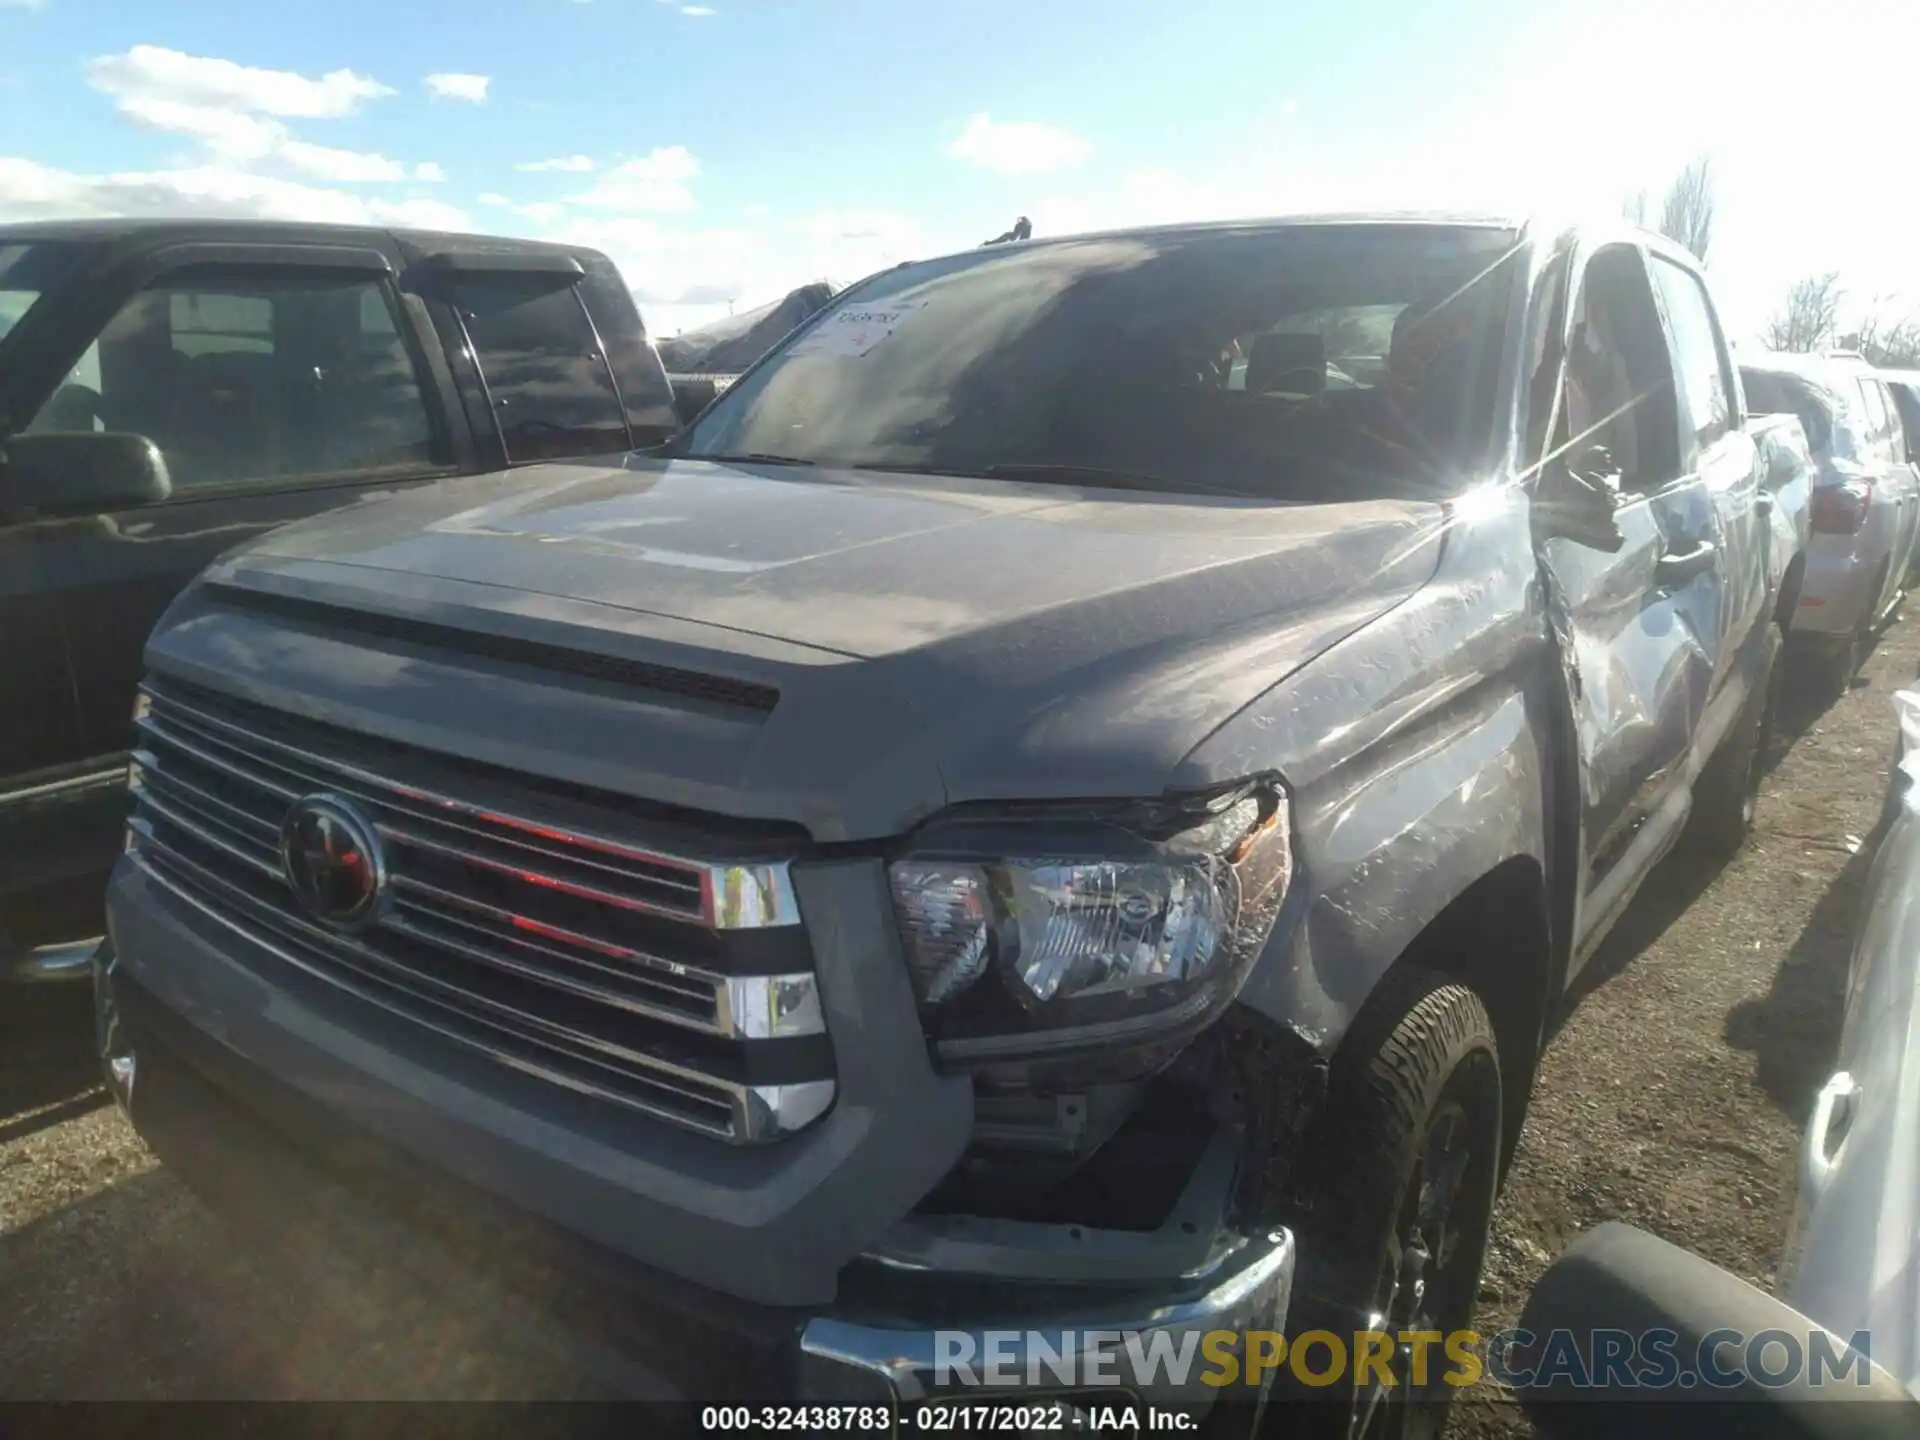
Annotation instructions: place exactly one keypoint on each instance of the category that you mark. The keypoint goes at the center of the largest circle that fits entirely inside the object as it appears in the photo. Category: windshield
(1317, 362)
(27, 271)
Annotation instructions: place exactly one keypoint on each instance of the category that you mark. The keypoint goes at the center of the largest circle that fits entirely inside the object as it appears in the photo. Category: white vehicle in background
(1904, 387)
(1866, 499)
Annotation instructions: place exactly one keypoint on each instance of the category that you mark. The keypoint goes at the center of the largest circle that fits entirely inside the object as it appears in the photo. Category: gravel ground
(1672, 1097)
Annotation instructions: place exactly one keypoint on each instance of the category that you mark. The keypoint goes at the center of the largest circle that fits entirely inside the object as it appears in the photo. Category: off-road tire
(1422, 1051)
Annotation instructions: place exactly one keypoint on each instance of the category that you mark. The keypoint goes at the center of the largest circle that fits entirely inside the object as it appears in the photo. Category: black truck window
(254, 378)
(552, 392)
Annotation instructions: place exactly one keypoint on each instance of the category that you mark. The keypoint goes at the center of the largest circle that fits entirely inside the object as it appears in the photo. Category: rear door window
(552, 392)
(1876, 417)
(1907, 402)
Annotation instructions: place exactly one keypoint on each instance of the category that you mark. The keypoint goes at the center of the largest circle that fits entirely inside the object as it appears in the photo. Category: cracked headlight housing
(1033, 937)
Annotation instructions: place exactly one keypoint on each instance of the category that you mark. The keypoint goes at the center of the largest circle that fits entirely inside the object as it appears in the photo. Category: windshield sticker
(853, 331)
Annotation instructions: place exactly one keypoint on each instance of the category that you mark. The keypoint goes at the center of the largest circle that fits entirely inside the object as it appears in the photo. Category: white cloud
(230, 133)
(323, 162)
(239, 113)
(1018, 147)
(421, 214)
(154, 73)
(29, 191)
(429, 172)
(22, 4)
(494, 197)
(471, 88)
(697, 11)
(544, 212)
(572, 164)
(655, 182)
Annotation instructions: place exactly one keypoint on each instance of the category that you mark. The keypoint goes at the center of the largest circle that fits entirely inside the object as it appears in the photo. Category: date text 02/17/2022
(945, 1417)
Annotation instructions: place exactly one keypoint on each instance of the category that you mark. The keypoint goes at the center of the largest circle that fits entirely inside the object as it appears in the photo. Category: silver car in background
(1853, 1253)
(1866, 499)
(1904, 386)
(1788, 503)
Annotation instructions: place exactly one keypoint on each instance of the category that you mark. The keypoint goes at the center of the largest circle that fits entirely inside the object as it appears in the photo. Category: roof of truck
(1474, 219)
(177, 228)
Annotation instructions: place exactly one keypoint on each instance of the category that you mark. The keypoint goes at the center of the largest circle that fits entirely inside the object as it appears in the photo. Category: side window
(1620, 384)
(1907, 403)
(552, 392)
(253, 377)
(1877, 422)
(1706, 391)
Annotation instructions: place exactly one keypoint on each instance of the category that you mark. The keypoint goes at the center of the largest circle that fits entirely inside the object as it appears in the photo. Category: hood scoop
(723, 692)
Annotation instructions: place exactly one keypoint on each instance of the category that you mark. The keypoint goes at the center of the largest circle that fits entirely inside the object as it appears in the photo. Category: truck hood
(924, 640)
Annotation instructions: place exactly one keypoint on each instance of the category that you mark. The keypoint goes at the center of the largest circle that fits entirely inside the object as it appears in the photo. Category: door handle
(1677, 567)
(1833, 1112)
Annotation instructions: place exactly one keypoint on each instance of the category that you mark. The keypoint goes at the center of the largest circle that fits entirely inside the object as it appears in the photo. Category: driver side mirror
(1575, 497)
(82, 472)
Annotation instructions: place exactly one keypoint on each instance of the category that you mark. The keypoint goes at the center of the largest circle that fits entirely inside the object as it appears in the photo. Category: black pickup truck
(240, 375)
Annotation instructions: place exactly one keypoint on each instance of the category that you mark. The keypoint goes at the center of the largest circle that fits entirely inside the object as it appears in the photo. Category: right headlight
(1030, 938)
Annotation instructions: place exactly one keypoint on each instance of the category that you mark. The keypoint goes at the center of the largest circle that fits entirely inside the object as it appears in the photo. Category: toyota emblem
(331, 855)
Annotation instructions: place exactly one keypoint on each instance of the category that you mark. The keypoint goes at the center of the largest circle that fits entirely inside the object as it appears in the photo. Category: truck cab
(171, 389)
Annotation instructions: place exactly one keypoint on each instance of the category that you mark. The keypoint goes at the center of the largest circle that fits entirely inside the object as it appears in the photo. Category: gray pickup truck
(1044, 806)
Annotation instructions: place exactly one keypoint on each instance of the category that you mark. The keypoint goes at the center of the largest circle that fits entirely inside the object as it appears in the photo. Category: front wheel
(1396, 1233)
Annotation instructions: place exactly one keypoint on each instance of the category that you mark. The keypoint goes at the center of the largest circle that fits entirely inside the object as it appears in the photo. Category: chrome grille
(555, 944)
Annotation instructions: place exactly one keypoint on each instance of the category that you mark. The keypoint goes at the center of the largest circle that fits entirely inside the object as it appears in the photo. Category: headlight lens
(1101, 934)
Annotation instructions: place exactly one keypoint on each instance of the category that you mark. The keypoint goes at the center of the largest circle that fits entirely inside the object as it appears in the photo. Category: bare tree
(1894, 344)
(1686, 215)
(1634, 207)
(1809, 319)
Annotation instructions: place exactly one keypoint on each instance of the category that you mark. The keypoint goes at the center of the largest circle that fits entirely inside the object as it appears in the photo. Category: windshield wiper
(752, 457)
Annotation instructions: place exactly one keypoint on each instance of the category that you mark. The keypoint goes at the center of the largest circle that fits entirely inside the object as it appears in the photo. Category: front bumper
(273, 1154)
(1066, 1353)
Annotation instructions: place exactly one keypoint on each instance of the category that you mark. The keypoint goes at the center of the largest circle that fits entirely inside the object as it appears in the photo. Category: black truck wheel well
(1495, 938)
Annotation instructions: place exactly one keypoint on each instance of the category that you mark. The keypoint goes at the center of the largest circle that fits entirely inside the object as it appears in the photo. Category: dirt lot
(1672, 1097)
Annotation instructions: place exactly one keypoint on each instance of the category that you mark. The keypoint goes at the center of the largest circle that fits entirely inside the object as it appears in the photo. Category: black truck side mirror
(1574, 498)
(82, 472)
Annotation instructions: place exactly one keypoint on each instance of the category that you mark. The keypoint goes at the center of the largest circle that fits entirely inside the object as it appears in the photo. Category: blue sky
(727, 149)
